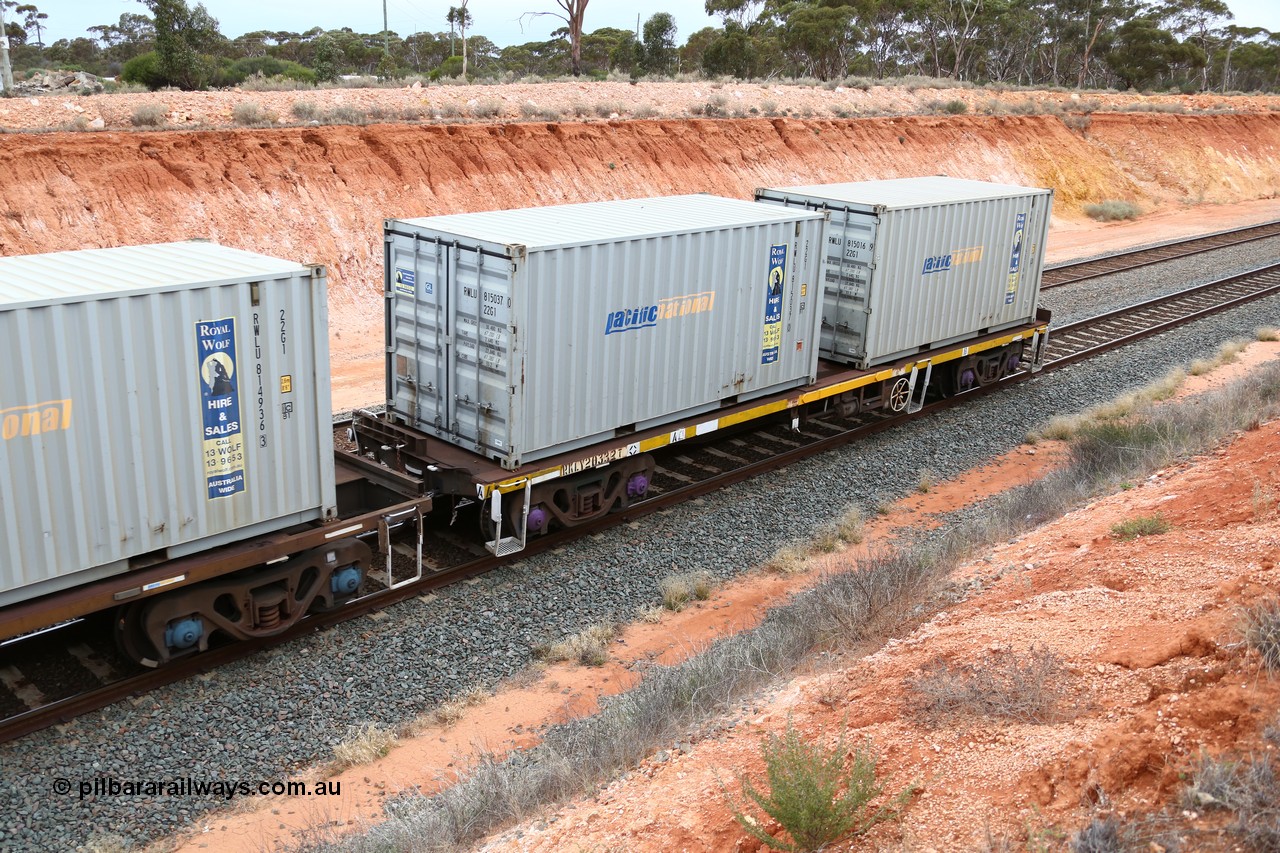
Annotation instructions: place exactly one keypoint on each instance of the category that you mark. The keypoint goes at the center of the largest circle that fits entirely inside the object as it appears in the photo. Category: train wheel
(131, 636)
(899, 395)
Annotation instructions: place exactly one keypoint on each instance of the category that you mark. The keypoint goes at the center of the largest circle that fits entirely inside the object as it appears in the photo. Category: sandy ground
(1146, 629)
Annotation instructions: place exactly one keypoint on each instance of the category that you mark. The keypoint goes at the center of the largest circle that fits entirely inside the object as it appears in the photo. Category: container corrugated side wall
(947, 272)
(116, 461)
(573, 376)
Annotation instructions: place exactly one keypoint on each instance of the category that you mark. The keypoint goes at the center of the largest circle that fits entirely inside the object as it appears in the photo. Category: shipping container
(519, 334)
(916, 263)
(156, 401)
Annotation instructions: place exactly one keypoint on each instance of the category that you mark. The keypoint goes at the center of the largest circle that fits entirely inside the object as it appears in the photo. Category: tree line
(1189, 45)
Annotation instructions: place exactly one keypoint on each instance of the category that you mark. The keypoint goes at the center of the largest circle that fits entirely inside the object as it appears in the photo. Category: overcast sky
(496, 19)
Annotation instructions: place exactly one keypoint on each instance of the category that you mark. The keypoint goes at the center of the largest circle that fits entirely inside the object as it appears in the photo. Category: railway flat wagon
(913, 264)
(156, 401)
(521, 334)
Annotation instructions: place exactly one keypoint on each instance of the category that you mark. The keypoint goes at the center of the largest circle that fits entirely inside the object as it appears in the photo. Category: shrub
(487, 108)
(144, 70)
(1112, 211)
(1102, 835)
(1076, 121)
(1262, 631)
(346, 115)
(451, 68)
(1248, 787)
(1267, 333)
(953, 107)
(304, 110)
(819, 795)
(250, 113)
(1023, 687)
(148, 115)
(1143, 525)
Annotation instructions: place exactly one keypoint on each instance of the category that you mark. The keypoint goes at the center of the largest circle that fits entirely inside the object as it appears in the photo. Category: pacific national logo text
(647, 316)
(24, 421)
(942, 263)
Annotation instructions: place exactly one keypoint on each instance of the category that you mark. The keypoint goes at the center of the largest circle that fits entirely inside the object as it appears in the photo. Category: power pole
(386, 31)
(6, 73)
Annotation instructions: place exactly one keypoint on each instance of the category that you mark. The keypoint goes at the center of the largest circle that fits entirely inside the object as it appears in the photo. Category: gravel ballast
(263, 718)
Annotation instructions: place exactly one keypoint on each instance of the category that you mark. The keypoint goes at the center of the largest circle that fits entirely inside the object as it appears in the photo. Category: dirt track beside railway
(320, 193)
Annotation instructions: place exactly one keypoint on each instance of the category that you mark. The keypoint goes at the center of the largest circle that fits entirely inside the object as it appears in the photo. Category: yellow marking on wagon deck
(484, 490)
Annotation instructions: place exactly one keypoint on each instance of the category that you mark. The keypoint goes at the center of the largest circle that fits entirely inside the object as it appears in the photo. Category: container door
(479, 405)
(847, 271)
(418, 329)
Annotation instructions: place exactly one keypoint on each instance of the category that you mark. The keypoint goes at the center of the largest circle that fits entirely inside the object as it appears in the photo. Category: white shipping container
(917, 263)
(519, 334)
(156, 401)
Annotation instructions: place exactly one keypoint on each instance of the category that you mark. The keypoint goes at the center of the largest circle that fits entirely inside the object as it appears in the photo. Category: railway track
(1063, 274)
(47, 684)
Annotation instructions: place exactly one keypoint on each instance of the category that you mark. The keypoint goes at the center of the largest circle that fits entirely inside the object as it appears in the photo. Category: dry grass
(851, 525)
(789, 560)
(925, 481)
(1065, 427)
(679, 590)
(1226, 354)
(675, 592)
(1267, 333)
(449, 713)
(590, 647)
(650, 614)
(366, 743)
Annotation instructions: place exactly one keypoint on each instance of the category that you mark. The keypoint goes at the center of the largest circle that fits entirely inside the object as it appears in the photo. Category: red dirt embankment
(320, 193)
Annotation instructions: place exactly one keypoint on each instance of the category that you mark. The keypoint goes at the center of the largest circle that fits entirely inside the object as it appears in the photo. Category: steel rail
(1062, 274)
(1196, 303)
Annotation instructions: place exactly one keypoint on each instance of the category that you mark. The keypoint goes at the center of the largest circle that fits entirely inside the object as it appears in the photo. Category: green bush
(818, 794)
(1143, 525)
(1112, 211)
(144, 70)
(451, 67)
(266, 68)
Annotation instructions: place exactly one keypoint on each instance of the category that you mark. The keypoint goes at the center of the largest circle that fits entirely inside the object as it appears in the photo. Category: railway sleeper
(250, 604)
